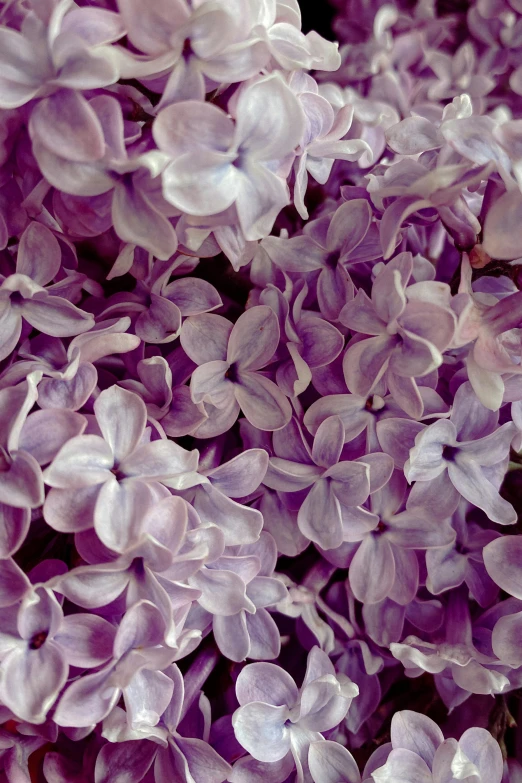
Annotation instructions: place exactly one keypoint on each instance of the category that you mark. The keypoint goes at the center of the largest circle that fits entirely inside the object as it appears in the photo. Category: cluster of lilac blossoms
(260, 392)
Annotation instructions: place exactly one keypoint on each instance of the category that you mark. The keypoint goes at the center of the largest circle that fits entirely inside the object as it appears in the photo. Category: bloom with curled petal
(275, 718)
(420, 754)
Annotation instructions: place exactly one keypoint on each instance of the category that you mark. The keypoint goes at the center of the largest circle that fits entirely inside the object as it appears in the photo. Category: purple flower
(232, 163)
(38, 644)
(24, 298)
(113, 475)
(229, 359)
(275, 718)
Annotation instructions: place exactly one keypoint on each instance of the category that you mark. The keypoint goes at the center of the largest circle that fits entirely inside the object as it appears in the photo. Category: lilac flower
(492, 328)
(114, 475)
(406, 344)
(328, 246)
(71, 374)
(462, 561)
(130, 753)
(229, 358)
(22, 484)
(38, 644)
(324, 139)
(232, 163)
(438, 455)
(311, 341)
(24, 298)
(159, 557)
(216, 41)
(275, 718)
(419, 752)
(235, 590)
(101, 164)
(386, 547)
(68, 49)
(337, 488)
(134, 670)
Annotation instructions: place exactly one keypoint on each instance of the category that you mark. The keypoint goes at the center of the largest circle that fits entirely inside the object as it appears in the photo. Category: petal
(328, 442)
(203, 762)
(14, 526)
(68, 126)
(121, 416)
(72, 394)
(254, 338)
(31, 681)
(265, 641)
(469, 479)
(241, 475)
(503, 226)
(124, 762)
(161, 460)
(507, 639)
(22, 484)
(374, 556)
(71, 510)
(192, 295)
(87, 701)
(192, 127)
(413, 135)
(416, 732)
(205, 337)
(46, 431)
(260, 729)
(39, 254)
(83, 462)
(202, 184)
(261, 195)
(349, 225)
(55, 316)
(330, 762)
(503, 559)
(262, 402)
(94, 586)
(240, 524)
(319, 517)
(231, 636)
(365, 361)
(137, 221)
(397, 438)
(286, 476)
(266, 682)
(403, 766)
(270, 121)
(483, 751)
(86, 640)
(13, 583)
(222, 592)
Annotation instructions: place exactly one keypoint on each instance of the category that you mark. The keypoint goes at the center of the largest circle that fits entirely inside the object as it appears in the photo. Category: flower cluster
(260, 392)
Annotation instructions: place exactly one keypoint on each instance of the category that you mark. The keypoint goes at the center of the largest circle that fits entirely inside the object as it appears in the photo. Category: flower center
(232, 374)
(38, 640)
(449, 453)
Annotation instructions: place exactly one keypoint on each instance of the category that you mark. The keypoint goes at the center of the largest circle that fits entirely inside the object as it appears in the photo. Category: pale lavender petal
(253, 339)
(503, 558)
(260, 729)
